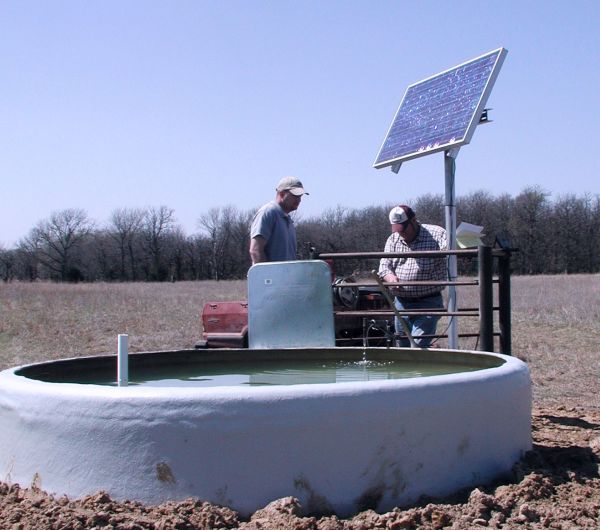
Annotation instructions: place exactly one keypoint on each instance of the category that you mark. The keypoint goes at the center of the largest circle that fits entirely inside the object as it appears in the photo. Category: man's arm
(257, 249)
(386, 270)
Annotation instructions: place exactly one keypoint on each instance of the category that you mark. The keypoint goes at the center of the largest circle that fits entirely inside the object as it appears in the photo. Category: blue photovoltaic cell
(442, 111)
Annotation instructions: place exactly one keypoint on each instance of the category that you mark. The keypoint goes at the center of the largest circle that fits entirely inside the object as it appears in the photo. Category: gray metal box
(290, 305)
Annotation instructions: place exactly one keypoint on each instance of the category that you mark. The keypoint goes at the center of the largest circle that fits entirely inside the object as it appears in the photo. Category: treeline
(560, 236)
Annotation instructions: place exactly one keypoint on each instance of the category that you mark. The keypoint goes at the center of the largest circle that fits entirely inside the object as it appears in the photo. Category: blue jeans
(419, 324)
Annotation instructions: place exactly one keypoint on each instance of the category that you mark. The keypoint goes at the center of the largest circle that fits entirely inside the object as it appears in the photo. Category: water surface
(262, 373)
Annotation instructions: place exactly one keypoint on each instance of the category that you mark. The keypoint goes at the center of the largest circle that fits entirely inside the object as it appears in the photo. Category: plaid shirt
(431, 237)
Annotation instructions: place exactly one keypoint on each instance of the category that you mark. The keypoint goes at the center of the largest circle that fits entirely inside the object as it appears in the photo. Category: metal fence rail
(484, 256)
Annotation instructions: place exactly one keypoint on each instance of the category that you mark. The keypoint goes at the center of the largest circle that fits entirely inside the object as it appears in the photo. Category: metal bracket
(452, 153)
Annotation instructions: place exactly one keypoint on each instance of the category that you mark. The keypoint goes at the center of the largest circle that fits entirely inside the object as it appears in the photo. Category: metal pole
(486, 300)
(504, 302)
(450, 210)
(390, 300)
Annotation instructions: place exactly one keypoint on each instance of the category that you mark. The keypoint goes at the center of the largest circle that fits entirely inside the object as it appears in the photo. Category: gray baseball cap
(291, 184)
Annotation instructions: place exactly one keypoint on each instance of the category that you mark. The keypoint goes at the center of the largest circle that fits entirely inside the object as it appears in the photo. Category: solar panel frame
(428, 119)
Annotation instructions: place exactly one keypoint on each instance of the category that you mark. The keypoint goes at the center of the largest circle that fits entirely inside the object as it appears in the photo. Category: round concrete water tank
(340, 447)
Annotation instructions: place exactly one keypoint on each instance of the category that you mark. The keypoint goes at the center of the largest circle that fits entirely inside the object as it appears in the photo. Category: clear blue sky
(201, 104)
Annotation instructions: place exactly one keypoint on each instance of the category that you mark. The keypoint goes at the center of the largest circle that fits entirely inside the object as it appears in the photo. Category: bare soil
(556, 485)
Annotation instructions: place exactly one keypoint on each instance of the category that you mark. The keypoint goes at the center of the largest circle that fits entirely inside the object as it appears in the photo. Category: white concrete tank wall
(342, 447)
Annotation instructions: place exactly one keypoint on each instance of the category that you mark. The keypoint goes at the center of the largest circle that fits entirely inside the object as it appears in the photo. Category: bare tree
(575, 233)
(100, 256)
(528, 225)
(367, 229)
(591, 255)
(227, 233)
(57, 240)
(239, 261)
(156, 224)
(175, 246)
(28, 263)
(198, 252)
(125, 228)
(551, 236)
(7, 264)
(326, 232)
(217, 233)
(430, 209)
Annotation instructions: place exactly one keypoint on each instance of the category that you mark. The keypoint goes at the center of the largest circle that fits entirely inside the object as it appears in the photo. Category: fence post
(486, 299)
(504, 302)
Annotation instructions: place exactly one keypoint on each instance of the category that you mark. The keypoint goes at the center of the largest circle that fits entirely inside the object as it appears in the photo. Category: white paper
(469, 235)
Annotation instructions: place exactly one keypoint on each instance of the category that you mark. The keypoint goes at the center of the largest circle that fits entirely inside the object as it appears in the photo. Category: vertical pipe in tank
(122, 361)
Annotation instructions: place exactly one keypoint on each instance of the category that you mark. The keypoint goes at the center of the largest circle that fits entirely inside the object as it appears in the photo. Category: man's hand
(392, 278)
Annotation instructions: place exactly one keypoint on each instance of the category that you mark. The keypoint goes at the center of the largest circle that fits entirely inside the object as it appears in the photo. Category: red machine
(225, 324)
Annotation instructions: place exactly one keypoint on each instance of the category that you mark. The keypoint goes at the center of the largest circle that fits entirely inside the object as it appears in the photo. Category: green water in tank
(264, 373)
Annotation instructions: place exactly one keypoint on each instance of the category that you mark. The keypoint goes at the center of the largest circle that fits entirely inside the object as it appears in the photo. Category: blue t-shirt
(278, 229)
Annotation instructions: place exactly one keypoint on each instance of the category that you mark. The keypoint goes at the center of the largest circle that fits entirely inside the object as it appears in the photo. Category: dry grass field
(556, 330)
(42, 321)
(556, 324)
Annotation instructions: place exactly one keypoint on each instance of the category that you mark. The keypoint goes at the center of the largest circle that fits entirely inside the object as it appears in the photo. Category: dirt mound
(556, 485)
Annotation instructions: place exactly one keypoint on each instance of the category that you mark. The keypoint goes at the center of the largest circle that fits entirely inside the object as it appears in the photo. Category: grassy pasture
(556, 324)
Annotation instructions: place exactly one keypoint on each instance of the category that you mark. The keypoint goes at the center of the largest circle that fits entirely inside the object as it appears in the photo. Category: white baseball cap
(400, 214)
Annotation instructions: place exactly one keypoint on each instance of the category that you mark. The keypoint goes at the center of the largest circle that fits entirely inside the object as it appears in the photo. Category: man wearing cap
(409, 235)
(273, 234)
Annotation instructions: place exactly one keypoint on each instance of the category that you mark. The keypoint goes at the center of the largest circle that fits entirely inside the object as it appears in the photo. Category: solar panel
(441, 112)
